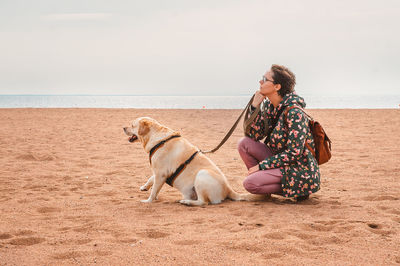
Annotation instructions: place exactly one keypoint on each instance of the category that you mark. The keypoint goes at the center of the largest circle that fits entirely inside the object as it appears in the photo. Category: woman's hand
(258, 99)
(253, 169)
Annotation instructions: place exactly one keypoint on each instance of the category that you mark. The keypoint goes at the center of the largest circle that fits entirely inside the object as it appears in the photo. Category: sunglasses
(265, 79)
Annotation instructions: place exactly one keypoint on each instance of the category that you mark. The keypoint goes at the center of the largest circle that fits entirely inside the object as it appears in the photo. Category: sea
(189, 102)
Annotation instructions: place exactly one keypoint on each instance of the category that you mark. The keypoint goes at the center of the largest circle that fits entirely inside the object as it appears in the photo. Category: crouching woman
(282, 164)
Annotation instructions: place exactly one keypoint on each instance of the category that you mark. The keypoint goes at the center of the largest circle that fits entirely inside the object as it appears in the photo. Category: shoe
(302, 198)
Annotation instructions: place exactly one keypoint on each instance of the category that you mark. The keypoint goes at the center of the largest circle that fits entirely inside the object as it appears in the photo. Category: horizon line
(120, 95)
(196, 95)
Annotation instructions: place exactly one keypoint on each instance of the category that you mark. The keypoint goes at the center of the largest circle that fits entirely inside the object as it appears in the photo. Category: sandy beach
(69, 194)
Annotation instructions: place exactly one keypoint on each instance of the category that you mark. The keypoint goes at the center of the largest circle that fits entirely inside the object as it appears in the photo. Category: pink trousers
(264, 181)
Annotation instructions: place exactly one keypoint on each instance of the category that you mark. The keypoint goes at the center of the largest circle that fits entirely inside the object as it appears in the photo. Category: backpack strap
(273, 122)
(306, 143)
(298, 107)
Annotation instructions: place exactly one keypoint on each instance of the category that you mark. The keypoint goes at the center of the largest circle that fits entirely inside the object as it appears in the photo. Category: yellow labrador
(198, 179)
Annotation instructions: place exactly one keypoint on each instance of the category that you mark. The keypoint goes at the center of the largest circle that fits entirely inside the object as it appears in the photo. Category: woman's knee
(250, 186)
(263, 182)
(243, 143)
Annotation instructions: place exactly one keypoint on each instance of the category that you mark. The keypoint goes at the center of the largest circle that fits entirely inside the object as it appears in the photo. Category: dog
(200, 181)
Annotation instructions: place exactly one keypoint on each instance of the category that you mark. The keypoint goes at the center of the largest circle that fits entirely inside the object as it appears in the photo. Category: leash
(245, 110)
(170, 180)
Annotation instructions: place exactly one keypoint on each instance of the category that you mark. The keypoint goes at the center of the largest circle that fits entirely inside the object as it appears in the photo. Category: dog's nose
(124, 128)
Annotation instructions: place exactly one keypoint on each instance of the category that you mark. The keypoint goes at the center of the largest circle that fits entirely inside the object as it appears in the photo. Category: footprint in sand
(186, 242)
(153, 234)
(48, 210)
(114, 173)
(335, 172)
(34, 187)
(274, 255)
(394, 211)
(249, 226)
(64, 229)
(23, 238)
(339, 226)
(24, 233)
(198, 221)
(275, 236)
(68, 255)
(82, 241)
(103, 252)
(303, 236)
(396, 219)
(334, 202)
(36, 157)
(378, 229)
(380, 198)
(26, 241)
(5, 198)
(5, 236)
(318, 226)
(127, 240)
(246, 246)
(329, 240)
(374, 226)
(84, 228)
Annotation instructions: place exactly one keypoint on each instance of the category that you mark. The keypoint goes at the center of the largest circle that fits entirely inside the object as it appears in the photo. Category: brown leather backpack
(323, 145)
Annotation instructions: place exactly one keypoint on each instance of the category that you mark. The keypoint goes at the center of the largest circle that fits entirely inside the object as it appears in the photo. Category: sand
(69, 194)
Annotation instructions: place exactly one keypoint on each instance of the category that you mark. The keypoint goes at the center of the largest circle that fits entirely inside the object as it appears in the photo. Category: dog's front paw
(146, 201)
(143, 188)
(185, 202)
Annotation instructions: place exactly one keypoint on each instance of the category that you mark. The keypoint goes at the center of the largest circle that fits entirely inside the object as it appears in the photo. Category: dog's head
(139, 129)
(147, 130)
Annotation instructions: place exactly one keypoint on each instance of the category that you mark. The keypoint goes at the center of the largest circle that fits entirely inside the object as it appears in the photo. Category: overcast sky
(184, 47)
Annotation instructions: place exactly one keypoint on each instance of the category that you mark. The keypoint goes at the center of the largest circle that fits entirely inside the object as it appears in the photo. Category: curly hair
(283, 76)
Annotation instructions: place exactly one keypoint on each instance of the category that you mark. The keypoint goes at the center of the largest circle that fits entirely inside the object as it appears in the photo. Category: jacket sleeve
(257, 128)
(297, 125)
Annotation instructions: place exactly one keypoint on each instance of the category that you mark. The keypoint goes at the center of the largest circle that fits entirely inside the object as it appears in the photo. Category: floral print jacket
(299, 168)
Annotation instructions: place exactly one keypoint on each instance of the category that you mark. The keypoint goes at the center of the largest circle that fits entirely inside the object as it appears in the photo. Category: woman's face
(267, 87)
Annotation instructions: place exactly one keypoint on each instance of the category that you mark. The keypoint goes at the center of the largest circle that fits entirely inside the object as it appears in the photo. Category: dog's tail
(233, 195)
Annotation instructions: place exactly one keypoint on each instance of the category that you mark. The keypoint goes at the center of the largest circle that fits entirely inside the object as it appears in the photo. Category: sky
(208, 47)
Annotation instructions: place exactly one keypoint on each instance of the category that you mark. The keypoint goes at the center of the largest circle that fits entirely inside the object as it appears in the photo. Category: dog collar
(159, 145)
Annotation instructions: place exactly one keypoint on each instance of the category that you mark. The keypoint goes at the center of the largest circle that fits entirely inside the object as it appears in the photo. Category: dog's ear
(144, 127)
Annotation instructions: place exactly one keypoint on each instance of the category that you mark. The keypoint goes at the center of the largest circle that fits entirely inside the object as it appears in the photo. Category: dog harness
(159, 145)
(170, 180)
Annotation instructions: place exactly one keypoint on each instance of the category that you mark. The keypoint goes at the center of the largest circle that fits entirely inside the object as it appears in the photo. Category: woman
(282, 164)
